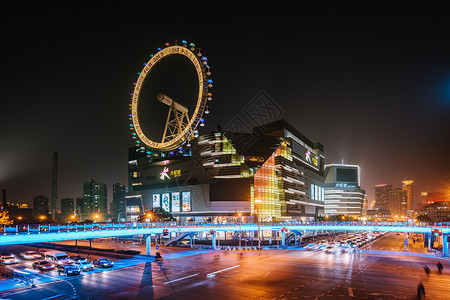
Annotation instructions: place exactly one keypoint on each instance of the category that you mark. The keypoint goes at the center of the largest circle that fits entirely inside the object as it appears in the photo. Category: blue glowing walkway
(65, 234)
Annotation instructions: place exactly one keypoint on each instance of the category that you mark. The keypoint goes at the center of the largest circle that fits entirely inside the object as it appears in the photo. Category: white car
(84, 265)
(30, 255)
(310, 246)
(9, 260)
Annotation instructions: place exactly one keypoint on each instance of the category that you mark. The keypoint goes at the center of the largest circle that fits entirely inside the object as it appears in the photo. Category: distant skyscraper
(398, 202)
(54, 194)
(67, 207)
(408, 187)
(382, 195)
(118, 210)
(41, 203)
(95, 198)
(83, 209)
(343, 195)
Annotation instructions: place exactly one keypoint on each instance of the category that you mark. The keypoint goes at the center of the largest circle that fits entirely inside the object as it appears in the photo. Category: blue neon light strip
(49, 236)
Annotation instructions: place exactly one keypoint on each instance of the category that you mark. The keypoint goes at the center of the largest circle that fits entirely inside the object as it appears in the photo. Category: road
(381, 271)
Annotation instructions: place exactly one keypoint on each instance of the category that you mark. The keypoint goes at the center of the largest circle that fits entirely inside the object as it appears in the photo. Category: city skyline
(375, 95)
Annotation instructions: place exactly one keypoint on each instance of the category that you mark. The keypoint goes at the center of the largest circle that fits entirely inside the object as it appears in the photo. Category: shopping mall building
(275, 173)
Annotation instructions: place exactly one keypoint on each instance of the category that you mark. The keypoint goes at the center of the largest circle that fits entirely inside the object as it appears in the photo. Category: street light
(148, 217)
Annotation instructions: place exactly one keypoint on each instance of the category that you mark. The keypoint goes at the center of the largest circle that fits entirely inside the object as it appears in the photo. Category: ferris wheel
(182, 116)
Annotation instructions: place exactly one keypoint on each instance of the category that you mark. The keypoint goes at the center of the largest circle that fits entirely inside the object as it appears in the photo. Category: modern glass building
(273, 173)
(343, 194)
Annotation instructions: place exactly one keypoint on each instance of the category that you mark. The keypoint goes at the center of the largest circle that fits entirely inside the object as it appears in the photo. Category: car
(328, 248)
(310, 246)
(77, 257)
(8, 260)
(57, 258)
(347, 249)
(30, 255)
(84, 265)
(102, 263)
(42, 265)
(68, 270)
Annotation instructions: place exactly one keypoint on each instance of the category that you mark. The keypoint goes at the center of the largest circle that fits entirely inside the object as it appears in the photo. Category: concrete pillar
(430, 241)
(148, 244)
(214, 240)
(445, 245)
(283, 238)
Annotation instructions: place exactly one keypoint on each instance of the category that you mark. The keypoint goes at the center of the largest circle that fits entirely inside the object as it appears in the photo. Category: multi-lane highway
(381, 271)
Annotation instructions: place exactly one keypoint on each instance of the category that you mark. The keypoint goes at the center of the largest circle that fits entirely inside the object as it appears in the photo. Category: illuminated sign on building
(173, 202)
(175, 173)
(344, 185)
(311, 158)
(166, 173)
(156, 200)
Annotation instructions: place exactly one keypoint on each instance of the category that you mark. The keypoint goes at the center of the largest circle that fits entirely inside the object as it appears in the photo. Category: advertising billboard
(186, 201)
(175, 202)
(156, 200)
(165, 201)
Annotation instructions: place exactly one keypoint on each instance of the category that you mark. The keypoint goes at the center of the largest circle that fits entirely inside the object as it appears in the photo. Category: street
(381, 271)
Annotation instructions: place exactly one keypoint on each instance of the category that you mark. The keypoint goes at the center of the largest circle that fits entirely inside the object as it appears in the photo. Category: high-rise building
(382, 196)
(41, 204)
(397, 202)
(343, 194)
(408, 187)
(95, 200)
(118, 209)
(82, 209)
(67, 207)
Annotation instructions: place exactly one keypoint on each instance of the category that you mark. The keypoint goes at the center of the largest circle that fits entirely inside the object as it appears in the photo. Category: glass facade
(267, 188)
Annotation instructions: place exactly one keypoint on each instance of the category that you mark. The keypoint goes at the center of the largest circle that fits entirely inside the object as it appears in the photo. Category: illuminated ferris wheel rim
(203, 84)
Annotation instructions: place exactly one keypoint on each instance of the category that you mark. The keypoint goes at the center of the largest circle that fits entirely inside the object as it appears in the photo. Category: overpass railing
(68, 227)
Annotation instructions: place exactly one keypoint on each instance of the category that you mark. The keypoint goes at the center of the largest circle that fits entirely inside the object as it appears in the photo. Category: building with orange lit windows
(272, 173)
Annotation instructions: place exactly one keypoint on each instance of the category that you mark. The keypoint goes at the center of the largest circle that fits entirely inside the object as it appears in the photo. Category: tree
(157, 214)
(4, 218)
(423, 218)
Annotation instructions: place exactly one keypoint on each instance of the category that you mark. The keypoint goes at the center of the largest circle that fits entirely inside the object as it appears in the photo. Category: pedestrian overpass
(34, 233)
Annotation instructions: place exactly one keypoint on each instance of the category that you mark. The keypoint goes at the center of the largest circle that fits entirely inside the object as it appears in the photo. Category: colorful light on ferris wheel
(166, 145)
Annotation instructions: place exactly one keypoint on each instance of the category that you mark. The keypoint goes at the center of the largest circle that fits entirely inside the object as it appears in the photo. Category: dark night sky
(372, 84)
